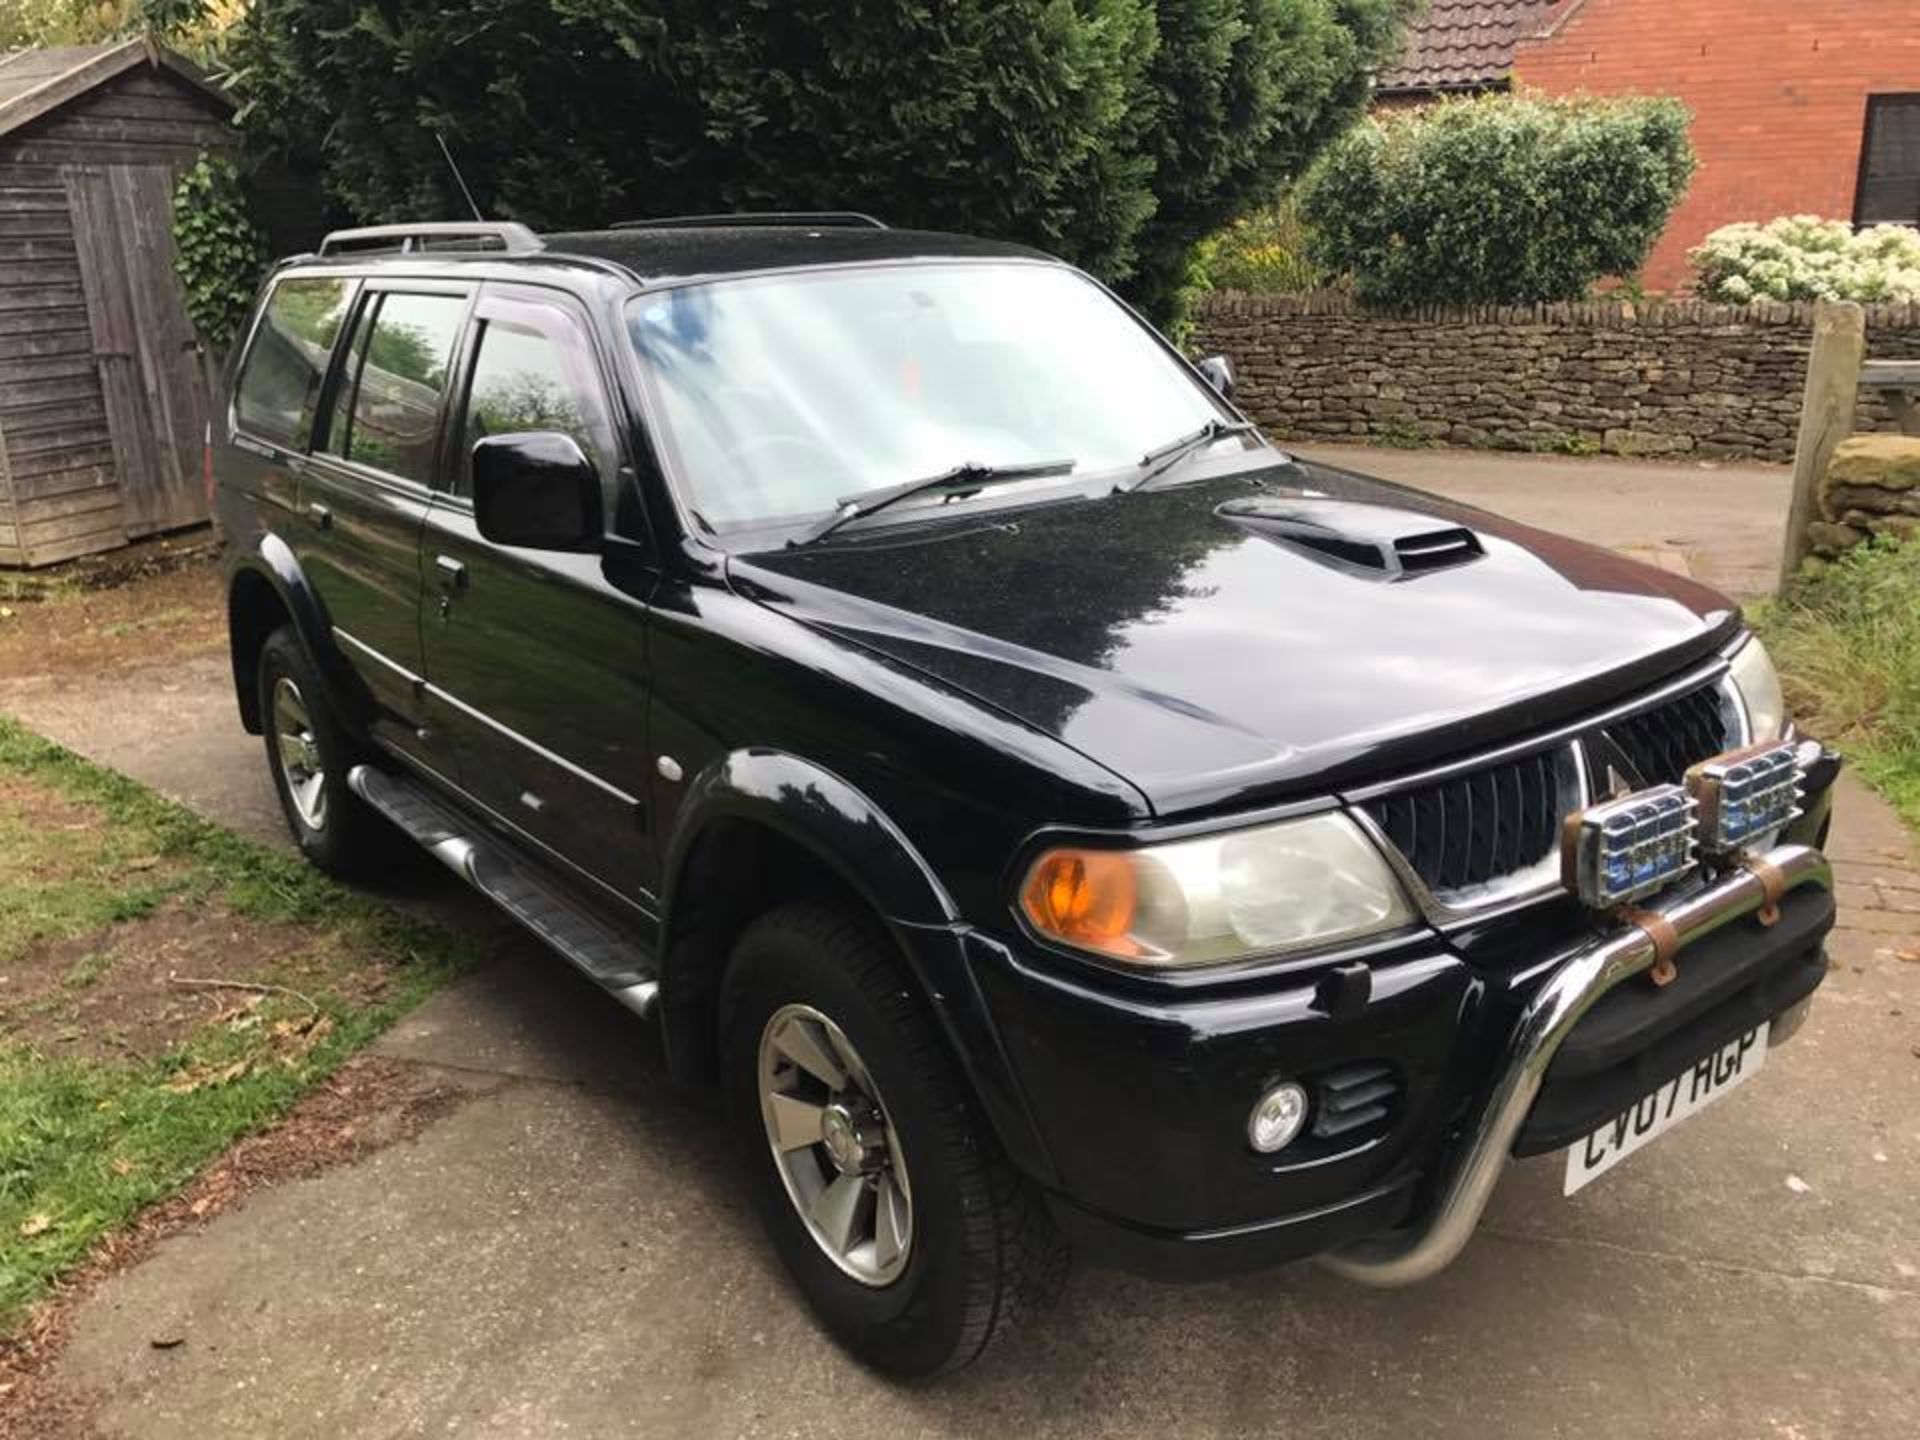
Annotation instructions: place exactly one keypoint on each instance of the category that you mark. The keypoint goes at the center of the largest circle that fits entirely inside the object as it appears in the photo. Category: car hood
(1257, 634)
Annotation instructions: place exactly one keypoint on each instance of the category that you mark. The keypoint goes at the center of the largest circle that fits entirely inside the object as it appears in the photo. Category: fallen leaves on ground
(202, 1077)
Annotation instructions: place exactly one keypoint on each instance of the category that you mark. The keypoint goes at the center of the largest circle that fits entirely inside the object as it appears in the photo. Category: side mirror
(537, 490)
(1218, 371)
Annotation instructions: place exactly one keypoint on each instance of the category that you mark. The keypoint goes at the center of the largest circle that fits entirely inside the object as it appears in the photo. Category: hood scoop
(1376, 541)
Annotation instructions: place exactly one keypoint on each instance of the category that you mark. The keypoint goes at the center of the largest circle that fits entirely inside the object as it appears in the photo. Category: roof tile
(1463, 44)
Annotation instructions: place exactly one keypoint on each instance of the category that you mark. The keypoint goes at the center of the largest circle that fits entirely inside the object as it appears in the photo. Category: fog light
(1745, 794)
(1277, 1118)
(1622, 849)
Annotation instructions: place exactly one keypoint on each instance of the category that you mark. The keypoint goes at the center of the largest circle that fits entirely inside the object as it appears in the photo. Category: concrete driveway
(565, 1254)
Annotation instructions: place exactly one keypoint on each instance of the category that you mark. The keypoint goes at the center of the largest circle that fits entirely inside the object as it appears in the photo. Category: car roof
(680, 252)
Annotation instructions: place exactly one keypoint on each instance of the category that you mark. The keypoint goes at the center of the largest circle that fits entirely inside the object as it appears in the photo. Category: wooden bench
(1898, 382)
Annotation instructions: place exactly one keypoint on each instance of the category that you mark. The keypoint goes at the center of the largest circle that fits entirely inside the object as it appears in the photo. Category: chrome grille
(1474, 828)
(1501, 822)
(1664, 741)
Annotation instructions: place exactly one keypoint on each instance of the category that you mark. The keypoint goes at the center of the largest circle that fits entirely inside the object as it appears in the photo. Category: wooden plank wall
(60, 486)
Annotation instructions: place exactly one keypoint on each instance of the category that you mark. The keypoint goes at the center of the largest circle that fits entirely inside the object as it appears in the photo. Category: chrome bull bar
(1421, 1250)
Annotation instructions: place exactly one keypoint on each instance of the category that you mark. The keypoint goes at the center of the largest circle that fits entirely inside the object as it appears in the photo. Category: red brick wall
(1778, 90)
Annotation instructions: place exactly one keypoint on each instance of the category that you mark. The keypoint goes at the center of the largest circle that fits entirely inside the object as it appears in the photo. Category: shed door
(149, 363)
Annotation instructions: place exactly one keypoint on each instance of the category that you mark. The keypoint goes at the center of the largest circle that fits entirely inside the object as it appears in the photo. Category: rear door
(365, 490)
(536, 660)
(276, 396)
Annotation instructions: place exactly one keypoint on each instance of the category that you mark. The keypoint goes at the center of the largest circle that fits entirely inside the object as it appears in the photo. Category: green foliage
(1849, 654)
(1114, 132)
(65, 22)
(88, 22)
(222, 253)
(17, 24)
(1247, 92)
(85, 22)
(1802, 257)
(1264, 253)
(1507, 199)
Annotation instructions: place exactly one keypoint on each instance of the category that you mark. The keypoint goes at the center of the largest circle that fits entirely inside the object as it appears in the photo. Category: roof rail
(487, 236)
(835, 219)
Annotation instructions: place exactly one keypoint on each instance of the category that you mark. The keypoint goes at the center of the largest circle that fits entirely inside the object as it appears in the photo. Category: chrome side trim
(1470, 1171)
(561, 761)
(1695, 679)
(361, 647)
(639, 998)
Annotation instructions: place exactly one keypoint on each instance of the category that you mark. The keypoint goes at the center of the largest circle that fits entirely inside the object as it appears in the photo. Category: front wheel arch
(757, 827)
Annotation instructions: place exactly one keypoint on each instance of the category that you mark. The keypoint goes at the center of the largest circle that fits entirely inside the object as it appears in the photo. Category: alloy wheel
(834, 1145)
(299, 751)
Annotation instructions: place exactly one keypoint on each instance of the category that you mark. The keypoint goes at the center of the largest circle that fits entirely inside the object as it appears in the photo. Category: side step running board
(613, 962)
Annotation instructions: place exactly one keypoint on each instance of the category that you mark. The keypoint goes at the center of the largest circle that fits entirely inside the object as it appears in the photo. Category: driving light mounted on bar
(1745, 794)
(1619, 850)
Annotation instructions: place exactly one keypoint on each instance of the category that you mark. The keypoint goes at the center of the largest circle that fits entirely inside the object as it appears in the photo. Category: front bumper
(1470, 1168)
(1127, 1103)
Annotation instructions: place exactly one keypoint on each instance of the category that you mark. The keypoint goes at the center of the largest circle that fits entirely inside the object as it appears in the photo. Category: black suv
(1050, 814)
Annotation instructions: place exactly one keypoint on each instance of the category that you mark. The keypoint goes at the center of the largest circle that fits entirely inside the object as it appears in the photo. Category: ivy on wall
(222, 253)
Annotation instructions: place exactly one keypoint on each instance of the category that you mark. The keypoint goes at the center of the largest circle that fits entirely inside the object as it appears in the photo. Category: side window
(392, 422)
(533, 370)
(280, 378)
(338, 435)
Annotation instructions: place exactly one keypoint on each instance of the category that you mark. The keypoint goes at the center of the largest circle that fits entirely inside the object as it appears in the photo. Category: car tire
(980, 1251)
(309, 754)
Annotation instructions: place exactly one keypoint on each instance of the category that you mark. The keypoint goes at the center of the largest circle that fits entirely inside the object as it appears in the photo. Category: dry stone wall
(1872, 487)
(1678, 379)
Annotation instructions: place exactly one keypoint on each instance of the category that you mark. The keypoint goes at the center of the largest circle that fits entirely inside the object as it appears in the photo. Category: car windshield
(783, 396)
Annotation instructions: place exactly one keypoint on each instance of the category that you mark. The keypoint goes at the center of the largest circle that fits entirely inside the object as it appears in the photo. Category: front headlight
(1218, 898)
(1758, 684)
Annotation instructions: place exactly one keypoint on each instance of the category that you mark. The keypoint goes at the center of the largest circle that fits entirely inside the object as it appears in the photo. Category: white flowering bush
(1802, 257)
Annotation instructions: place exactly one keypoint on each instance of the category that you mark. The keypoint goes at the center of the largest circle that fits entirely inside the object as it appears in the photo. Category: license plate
(1692, 1090)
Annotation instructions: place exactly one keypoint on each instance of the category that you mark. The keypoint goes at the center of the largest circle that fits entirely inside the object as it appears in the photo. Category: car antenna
(458, 178)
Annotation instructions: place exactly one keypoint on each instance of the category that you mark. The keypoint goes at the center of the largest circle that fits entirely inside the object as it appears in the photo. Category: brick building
(1799, 108)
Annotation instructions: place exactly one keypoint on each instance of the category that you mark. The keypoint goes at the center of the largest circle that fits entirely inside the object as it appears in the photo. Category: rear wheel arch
(266, 591)
(255, 610)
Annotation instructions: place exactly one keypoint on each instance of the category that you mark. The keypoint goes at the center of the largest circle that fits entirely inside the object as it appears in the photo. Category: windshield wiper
(1158, 461)
(965, 478)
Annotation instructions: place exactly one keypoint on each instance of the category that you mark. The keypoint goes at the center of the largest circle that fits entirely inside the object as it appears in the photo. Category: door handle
(320, 515)
(453, 575)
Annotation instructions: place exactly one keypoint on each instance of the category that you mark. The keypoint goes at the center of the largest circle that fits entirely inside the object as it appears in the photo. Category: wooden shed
(102, 392)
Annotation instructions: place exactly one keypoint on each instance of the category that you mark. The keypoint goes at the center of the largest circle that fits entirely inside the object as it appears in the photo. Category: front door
(536, 660)
(364, 494)
(149, 360)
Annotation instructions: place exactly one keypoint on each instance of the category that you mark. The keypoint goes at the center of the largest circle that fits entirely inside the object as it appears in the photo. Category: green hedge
(1116, 133)
(1500, 199)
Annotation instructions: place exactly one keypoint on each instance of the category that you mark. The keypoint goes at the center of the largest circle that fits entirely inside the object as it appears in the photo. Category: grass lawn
(165, 988)
(1848, 646)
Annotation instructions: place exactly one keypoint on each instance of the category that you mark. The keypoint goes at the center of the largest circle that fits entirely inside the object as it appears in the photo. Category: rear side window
(397, 372)
(280, 378)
